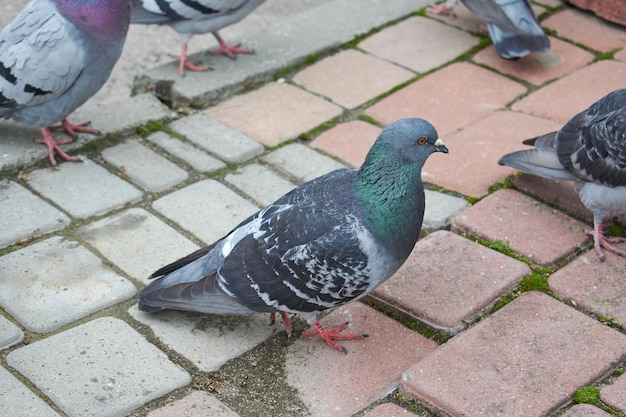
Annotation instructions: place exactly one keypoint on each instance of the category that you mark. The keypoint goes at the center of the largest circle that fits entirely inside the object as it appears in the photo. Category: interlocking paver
(198, 159)
(101, 368)
(260, 183)
(614, 395)
(469, 277)
(208, 340)
(18, 401)
(529, 357)
(137, 242)
(10, 334)
(389, 410)
(275, 113)
(441, 209)
(55, 282)
(450, 98)
(340, 385)
(289, 159)
(351, 78)
(585, 410)
(22, 214)
(349, 141)
(621, 55)
(143, 166)
(207, 208)
(438, 43)
(196, 404)
(78, 188)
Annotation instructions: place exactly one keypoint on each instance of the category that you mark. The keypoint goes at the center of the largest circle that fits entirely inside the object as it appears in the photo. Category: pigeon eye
(421, 140)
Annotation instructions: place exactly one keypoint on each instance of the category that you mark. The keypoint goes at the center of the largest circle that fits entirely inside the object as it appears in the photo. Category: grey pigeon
(326, 243)
(590, 150)
(512, 25)
(194, 17)
(54, 56)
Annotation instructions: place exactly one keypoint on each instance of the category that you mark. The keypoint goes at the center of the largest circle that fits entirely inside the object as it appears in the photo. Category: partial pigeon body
(326, 243)
(512, 25)
(590, 150)
(54, 56)
(194, 17)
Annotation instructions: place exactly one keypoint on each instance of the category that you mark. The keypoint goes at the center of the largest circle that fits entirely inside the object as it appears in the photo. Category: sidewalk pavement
(503, 308)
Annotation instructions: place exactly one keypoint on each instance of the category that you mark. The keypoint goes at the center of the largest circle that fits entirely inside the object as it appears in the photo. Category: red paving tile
(486, 141)
(389, 410)
(526, 359)
(621, 55)
(451, 98)
(349, 141)
(532, 229)
(465, 275)
(585, 410)
(340, 385)
(614, 395)
(196, 404)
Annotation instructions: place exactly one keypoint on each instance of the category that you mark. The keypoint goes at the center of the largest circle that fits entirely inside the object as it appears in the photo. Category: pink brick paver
(350, 78)
(349, 141)
(532, 229)
(597, 287)
(447, 270)
(196, 404)
(274, 113)
(450, 98)
(333, 384)
(621, 55)
(562, 58)
(527, 359)
(419, 43)
(585, 410)
(614, 395)
(389, 410)
(486, 141)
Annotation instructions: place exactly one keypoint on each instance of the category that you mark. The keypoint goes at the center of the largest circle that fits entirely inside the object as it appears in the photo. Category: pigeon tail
(537, 162)
(517, 45)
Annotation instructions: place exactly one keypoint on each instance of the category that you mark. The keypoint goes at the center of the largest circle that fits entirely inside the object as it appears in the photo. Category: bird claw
(72, 128)
(330, 335)
(230, 51)
(53, 147)
(286, 322)
(441, 10)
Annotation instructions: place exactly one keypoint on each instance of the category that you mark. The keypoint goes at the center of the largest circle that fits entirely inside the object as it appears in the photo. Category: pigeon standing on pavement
(54, 56)
(512, 25)
(194, 17)
(590, 150)
(328, 242)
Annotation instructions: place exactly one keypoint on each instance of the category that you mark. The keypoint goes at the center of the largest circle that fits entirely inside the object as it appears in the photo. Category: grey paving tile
(199, 160)
(55, 282)
(196, 404)
(441, 209)
(585, 410)
(23, 214)
(208, 209)
(207, 340)
(614, 395)
(289, 159)
(222, 141)
(10, 334)
(102, 368)
(260, 183)
(79, 188)
(137, 242)
(17, 146)
(18, 401)
(145, 167)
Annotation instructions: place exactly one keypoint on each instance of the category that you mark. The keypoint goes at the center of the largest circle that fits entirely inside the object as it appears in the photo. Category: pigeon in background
(54, 56)
(512, 25)
(194, 17)
(590, 150)
(326, 243)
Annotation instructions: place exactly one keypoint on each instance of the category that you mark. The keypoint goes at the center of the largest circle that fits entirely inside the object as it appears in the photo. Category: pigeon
(192, 17)
(512, 25)
(591, 151)
(328, 242)
(54, 56)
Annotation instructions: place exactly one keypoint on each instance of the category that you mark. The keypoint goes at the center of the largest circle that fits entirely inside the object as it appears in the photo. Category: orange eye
(421, 140)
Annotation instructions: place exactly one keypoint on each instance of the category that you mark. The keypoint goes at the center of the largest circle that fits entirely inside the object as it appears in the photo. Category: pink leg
(185, 63)
(441, 9)
(71, 128)
(286, 322)
(329, 336)
(53, 146)
(600, 241)
(229, 50)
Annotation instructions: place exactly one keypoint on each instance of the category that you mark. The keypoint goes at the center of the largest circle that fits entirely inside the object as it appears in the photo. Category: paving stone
(389, 410)
(526, 359)
(9, 335)
(466, 275)
(55, 282)
(290, 159)
(196, 404)
(585, 410)
(22, 214)
(595, 286)
(260, 183)
(441, 209)
(574, 92)
(350, 78)
(222, 141)
(207, 208)
(614, 395)
(438, 43)
(350, 141)
(18, 401)
(198, 160)
(207, 340)
(101, 368)
(145, 167)
(78, 188)
(621, 55)
(137, 242)
(18, 149)
(370, 371)
(562, 58)
(450, 98)
(586, 29)
(530, 228)
(275, 113)
(486, 141)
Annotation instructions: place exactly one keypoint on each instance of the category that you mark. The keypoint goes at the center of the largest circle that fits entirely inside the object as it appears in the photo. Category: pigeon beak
(440, 147)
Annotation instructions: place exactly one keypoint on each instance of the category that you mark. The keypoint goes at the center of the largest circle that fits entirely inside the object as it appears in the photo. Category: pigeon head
(413, 139)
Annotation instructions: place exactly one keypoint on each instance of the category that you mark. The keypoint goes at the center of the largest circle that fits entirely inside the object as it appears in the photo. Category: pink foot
(186, 64)
(53, 146)
(441, 9)
(229, 50)
(286, 322)
(601, 241)
(71, 128)
(329, 336)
